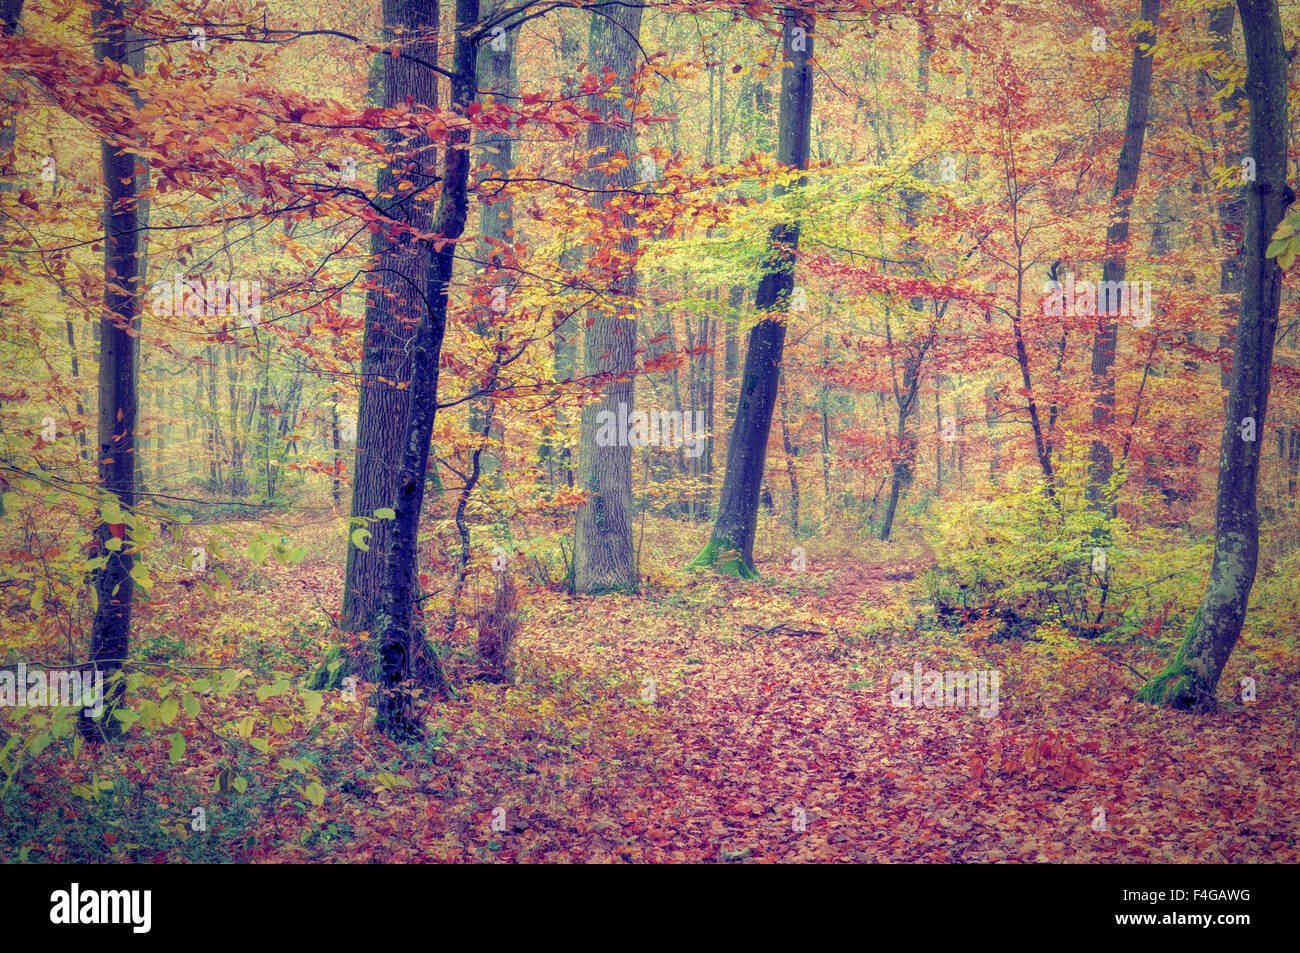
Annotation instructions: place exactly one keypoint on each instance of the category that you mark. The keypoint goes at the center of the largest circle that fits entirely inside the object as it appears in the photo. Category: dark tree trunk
(1100, 458)
(114, 586)
(395, 303)
(602, 551)
(402, 647)
(731, 546)
(1192, 677)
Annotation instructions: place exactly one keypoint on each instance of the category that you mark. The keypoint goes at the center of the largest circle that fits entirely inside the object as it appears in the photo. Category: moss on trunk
(723, 557)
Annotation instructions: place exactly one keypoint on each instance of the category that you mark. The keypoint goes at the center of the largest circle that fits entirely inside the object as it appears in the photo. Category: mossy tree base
(723, 558)
(1179, 686)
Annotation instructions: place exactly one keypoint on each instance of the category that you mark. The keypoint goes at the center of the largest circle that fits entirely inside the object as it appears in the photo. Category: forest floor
(702, 719)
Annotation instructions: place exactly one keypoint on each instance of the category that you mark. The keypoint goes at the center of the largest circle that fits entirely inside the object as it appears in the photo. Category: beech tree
(1113, 271)
(401, 643)
(1191, 678)
(730, 549)
(116, 442)
(602, 548)
(396, 300)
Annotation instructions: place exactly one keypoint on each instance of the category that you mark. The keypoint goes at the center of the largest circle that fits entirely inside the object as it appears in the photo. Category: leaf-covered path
(768, 735)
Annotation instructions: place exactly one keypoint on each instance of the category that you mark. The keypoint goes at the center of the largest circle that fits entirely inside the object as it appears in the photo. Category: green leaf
(245, 727)
(359, 537)
(311, 701)
(261, 744)
(315, 793)
(191, 706)
(385, 513)
(275, 688)
(223, 578)
(240, 784)
(168, 709)
(140, 574)
(178, 747)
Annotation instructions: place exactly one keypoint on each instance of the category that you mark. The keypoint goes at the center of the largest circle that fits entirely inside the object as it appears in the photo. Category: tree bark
(603, 552)
(395, 303)
(401, 645)
(114, 585)
(497, 79)
(1101, 460)
(730, 549)
(1192, 676)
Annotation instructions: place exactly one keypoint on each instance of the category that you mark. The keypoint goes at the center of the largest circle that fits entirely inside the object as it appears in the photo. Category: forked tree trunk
(402, 651)
(1192, 677)
(394, 305)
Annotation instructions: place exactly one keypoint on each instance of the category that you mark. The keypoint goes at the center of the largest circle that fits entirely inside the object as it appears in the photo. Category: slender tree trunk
(395, 303)
(555, 450)
(1192, 677)
(497, 80)
(114, 585)
(731, 348)
(730, 549)
(905, 461)
(334, 434)
(602, 551)
(1232, 203)
(791, 451)
(401, 644)
(1101, 460)
(11, 12)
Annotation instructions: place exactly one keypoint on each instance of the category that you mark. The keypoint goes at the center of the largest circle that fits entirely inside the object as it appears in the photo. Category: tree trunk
(1232, 204)
(1192, 677)
(11, 12)
(394, 305)
(114, 585)
(402, 647)
(730, 549)
(905, 461)
(602, 551)
(791, 451)
(1101, 460)
(497, 80)
(554, 450)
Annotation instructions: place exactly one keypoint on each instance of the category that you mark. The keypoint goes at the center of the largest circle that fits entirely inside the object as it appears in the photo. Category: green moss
(722, 557)
(1177, 685)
